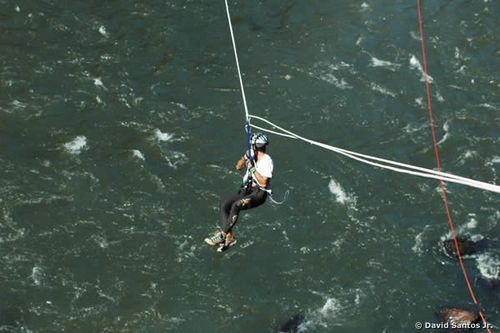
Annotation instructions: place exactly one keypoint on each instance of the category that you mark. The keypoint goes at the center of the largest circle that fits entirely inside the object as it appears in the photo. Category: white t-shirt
(265, 166)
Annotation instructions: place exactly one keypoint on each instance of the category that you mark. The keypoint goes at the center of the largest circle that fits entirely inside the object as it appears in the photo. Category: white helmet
(259, 140)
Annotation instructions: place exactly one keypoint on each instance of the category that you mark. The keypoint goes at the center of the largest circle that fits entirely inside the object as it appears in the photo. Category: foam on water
(98, 83)
(415, 64)
(186, 249)
(175, 158)
(489, 265)
(305, 250)
(419, 244)
(417, 248)
(409, 128)
(385, 64)
(329, 72)
(36, 275)
(495, 159)
(163, 137)
(332, 79)
(76, 145)
(460, 58)
(340, 308)
(462, 69)
(15, 232)
(414, 35)
(330, 308)
(472, 221)
(359, 40)
(419, 101)
(467, 155)
(101, 241)
(382, 90)
(340, 194)
(18, 105)
(439, 97)
(489, 106)
(446, 128)
(102, 31)
(158, 182)
(105, 296)
(329, 311)
(182, 106)
(137, 153)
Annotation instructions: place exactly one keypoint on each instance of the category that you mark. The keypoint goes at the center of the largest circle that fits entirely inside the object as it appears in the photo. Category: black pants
(244, 199)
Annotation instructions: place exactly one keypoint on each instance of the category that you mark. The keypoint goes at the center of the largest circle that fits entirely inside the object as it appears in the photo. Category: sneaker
(215, 239)
(227, 244)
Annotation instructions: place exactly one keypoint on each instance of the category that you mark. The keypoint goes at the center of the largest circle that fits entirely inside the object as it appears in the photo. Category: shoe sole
(210, 242)
(223, 248)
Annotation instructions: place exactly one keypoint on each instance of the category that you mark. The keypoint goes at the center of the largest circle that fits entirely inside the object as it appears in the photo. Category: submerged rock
(292, 325)
(466, 246)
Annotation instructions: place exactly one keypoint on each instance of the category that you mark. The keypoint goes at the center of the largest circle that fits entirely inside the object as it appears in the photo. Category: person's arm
(244, 161)
(241, 163)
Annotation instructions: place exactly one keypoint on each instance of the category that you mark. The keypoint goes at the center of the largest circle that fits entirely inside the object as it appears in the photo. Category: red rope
(441, 184)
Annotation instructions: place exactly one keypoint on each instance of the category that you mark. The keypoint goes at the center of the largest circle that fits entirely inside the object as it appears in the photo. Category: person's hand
(240, 164)
(249, 164)
(248, 155)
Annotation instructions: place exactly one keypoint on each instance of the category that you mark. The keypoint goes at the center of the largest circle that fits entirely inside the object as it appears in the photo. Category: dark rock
(465, 320)
(292, 325)
(466, 246)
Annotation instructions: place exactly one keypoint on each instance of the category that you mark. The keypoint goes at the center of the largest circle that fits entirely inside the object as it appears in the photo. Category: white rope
(273, 132)
(422, 172)
(247, 118)
(339, 150)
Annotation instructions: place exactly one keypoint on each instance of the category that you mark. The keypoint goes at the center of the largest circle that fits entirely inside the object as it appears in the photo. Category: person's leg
(254, 199)
(225, 208)
(251, 200)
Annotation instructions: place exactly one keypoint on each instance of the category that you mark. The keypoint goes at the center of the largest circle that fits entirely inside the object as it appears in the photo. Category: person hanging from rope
(253, 192)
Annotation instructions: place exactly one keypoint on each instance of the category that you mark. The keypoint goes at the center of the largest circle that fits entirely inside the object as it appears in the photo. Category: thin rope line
(237, 63)
(438, 162)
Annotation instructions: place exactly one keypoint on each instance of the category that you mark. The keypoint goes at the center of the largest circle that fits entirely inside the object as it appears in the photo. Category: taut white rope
(402, 168)
(247, 118)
